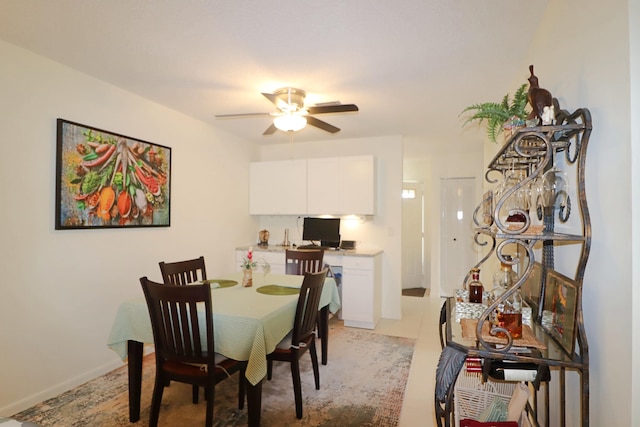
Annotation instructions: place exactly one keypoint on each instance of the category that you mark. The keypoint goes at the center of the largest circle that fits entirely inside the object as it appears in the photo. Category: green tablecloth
(248, 324)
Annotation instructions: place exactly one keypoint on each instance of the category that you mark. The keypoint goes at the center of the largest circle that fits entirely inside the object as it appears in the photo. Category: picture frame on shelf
(532, 288)
(560, 307)
(108, 180)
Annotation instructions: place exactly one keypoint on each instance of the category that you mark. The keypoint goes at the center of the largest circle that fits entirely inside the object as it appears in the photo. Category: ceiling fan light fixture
(290, 122)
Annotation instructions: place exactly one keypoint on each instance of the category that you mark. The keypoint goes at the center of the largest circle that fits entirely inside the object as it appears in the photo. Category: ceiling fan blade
(338, 108)
(230, 116)
(270, 130)
(322, 125)
(271, 97)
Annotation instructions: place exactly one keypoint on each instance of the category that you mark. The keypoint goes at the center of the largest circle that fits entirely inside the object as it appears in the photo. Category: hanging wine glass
(517, 205)
(554, 188)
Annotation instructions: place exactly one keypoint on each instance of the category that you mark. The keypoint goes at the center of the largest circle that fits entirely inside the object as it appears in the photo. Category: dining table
(249, 322)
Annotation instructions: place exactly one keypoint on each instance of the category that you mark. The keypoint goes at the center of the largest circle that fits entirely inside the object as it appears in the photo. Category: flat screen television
(326, 231)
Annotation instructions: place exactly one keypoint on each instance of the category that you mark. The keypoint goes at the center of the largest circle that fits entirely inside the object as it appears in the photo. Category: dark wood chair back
(183, 272)
(307, 309)
(303, 261)
(178, 332)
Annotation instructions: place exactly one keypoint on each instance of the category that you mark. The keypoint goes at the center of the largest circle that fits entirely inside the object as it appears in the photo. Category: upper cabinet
(332, 186)
(278, 188)
(341, 185)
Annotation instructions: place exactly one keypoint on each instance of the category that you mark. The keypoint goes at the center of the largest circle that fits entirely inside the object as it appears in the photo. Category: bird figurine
(538, 97)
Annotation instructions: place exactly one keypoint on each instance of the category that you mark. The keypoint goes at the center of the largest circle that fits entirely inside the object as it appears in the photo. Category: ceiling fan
(293, 115)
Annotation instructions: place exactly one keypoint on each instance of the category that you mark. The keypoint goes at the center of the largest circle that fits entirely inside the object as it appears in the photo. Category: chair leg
(211, 392)
(156, 399)
(195, 393)
(314, 363)
(297, 386)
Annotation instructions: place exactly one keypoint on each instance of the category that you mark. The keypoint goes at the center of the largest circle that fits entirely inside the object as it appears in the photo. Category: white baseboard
(21, 405)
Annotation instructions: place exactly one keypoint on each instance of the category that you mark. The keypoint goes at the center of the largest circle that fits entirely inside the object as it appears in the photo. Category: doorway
(413, 275)
(457, 249)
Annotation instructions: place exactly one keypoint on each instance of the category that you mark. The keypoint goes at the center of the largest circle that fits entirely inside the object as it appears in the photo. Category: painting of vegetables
(107, 180)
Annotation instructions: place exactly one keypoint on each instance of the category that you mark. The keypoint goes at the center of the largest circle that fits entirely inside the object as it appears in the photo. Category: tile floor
(420, 317)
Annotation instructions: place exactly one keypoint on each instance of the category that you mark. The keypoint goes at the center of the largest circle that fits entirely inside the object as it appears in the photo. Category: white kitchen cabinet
(275, 259)
(361, 291)
(278, 187)
(341, 185)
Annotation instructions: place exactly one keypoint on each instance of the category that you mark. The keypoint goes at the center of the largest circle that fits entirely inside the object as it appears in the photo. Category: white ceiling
(410, 65)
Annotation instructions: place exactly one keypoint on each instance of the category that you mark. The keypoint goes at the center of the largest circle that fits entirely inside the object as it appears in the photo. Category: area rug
(362, 385)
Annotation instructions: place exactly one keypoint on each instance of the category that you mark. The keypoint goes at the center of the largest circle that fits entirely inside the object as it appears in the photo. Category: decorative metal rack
(531, 151)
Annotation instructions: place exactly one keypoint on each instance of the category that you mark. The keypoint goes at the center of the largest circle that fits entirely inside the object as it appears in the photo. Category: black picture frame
(108, 180)
(560, 308)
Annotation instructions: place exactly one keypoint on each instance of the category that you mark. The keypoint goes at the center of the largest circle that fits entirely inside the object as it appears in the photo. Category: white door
(458, 251)
(412, 236)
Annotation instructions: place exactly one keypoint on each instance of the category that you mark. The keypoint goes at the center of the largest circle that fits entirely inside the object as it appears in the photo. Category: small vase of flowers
(248, 264)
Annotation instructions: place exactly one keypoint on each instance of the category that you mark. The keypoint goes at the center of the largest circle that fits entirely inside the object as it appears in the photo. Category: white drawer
(358, 263)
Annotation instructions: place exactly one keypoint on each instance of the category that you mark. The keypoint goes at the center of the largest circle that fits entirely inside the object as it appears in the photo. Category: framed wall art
(108, 180)
(561, 296)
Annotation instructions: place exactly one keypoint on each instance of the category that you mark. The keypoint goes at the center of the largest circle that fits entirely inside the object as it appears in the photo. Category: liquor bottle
(508, 313)
(476, 288)
(505, 277)
(505, 370)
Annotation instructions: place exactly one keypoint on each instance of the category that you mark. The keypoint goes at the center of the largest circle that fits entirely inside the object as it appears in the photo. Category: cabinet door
(358, 185)
(278, 188)
(323, 186)
(361, 291)
(357, 298)
(341, 185)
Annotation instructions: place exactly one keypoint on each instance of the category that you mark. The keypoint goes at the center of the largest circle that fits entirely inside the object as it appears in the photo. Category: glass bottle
(475, 286)
(508, 313)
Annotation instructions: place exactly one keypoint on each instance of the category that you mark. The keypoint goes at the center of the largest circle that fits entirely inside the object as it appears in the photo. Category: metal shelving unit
(530, 152)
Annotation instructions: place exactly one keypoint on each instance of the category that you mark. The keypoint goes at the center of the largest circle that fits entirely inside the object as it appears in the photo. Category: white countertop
(366, 252)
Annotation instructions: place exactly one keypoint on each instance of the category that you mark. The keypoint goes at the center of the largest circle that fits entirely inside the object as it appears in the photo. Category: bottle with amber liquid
(508, 314)
(475, 286)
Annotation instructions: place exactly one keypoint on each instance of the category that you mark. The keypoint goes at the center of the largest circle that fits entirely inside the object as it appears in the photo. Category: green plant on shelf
(509, 112)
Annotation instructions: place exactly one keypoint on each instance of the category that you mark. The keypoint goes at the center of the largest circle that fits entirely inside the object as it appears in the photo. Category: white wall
(581, 54)
(453, 159)
(634, 57)
(61, 289)
(382, 230)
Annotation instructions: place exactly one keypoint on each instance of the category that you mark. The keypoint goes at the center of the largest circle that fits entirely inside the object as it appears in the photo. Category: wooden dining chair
(302, 336)
(303, 261)
(183, 272)
(184, 343)
(310, 260)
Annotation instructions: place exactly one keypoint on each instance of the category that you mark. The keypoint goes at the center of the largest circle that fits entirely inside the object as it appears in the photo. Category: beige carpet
(362, 385)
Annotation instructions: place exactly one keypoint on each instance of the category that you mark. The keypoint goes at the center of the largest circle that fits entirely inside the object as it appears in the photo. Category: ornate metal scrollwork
(527, 245)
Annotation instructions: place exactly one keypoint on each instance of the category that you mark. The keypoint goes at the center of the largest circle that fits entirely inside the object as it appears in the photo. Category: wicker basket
(471, 397)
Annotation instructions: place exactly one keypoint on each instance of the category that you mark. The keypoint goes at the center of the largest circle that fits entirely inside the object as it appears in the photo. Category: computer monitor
(326, 231)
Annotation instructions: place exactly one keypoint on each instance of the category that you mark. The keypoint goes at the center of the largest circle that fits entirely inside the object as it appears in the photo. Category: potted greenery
(507, 114)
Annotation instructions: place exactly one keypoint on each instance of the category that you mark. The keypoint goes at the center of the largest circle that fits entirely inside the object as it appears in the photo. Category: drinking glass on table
(266, 269)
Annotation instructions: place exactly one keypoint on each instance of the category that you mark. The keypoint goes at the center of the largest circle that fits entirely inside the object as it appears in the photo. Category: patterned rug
(362, 385)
